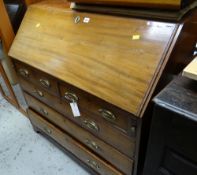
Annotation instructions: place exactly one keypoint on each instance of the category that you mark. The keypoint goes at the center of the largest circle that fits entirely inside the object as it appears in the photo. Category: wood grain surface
(113, 58)
(167, 4)
(76, 148)
(191, 70)
(106, 151)
(124, 144)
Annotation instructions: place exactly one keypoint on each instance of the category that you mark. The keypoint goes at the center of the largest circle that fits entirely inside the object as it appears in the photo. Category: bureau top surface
(117, 59)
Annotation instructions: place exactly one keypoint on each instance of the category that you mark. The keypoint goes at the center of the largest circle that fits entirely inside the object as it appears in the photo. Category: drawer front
(37, 77)
(99, 109)
(73, 146)
(24, 71)
(109, 153)
(105, 132)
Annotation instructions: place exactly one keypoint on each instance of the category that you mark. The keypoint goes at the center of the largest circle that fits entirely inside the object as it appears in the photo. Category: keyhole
(77, 19)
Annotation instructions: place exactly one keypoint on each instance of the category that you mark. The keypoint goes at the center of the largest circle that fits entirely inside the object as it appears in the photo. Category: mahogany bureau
(88, 79)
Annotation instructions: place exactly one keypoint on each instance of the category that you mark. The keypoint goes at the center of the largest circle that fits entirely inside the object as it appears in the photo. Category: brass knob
(47, 130)
(43, 111)
(92, 144)
(24, 72)
(91, 125)
(107, 115)
(71, 97)
(45, 83)
(93, 164)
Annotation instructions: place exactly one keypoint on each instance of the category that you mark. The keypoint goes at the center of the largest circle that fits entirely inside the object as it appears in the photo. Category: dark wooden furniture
(159, 4)
(91, 62)
(172, 144)
(15, 10)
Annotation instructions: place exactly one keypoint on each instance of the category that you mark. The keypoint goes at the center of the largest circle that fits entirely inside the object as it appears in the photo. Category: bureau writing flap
(117, 59)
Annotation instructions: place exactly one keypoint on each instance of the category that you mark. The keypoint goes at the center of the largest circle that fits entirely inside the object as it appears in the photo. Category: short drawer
(100, 109)
(86, 156)
(37, 77)
(106, 151)
(24, 71)
(109, 134)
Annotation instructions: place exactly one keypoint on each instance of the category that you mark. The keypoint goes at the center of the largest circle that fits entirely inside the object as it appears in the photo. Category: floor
(24, 152)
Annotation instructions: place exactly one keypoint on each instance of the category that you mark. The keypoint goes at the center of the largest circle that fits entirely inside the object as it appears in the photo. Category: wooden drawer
(109, 153)
(37, 77)
(107, 133)
(73, 146)
(24, 71)
(99, 109)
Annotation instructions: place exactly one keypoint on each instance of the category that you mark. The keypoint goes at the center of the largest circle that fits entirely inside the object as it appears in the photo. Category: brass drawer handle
(91, 125)
(44, 111)
(71, 97)
(47, 130)
(93, 164)
(24, 72)
(92, 144)
(40, 93)
(45, 83)
(107, 115)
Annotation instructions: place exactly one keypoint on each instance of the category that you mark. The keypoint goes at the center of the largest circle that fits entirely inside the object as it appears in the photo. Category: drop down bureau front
(88, 80)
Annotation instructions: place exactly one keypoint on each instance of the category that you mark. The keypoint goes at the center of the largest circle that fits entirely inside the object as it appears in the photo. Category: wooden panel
(106, 151)
(191, 70)
(73, 146)
(6, 30)
(118, 66)
(105, 132)
(169, 4)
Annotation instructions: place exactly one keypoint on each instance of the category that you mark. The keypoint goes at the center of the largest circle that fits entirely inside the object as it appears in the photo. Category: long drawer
(106, 151)
(73, 146)
(99, 109)
(105, 132)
